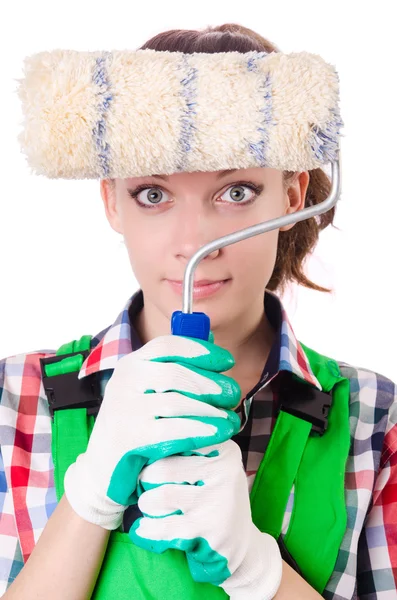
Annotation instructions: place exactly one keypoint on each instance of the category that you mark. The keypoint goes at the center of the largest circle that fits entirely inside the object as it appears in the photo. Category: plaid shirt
(366, 566)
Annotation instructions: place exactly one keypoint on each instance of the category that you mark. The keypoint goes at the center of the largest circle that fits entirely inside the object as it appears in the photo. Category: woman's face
(165, 219)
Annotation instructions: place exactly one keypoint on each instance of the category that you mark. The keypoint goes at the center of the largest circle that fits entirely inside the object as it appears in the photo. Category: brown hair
(296, 244)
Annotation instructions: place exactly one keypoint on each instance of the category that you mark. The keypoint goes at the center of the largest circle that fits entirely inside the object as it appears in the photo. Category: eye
(152, 196)
(239, 195)
(148, 196)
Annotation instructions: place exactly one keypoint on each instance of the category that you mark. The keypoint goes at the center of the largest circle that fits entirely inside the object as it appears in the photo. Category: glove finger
(168, 499)
(179, 469)
(218, 390)
(177, 435)
(166, 532)
(185, 350)
(175, 404)
(214, 465)
(229, 393)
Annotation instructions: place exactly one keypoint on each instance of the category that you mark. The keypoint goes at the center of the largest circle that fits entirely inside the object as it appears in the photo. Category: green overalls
(315, 464)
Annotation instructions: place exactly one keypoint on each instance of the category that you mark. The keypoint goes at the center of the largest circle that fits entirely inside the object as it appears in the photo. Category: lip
(198, 283)
(201, 288)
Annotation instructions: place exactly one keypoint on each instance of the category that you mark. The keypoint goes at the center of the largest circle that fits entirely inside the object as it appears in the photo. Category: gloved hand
(200, 504)
(165, 398)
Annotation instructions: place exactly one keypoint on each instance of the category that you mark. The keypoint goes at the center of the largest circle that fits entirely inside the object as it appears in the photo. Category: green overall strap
(71, 430)
(316, 466)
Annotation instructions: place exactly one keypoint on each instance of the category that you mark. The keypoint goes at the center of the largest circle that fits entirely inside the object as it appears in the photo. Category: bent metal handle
(197, 324)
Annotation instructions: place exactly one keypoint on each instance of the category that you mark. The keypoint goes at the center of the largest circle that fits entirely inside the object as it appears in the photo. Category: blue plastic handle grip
(196, 325)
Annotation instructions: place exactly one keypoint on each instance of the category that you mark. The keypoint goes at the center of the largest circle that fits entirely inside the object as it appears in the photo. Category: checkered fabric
(366, 567)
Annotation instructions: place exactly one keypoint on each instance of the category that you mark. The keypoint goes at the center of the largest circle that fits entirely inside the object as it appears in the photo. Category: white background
(66, 273)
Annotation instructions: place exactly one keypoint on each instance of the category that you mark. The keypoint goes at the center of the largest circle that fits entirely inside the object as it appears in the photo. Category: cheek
(144, 249)
(254, 256)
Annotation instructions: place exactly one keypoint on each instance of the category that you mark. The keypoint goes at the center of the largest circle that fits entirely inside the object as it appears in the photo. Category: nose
(195, 228)
(188, 251)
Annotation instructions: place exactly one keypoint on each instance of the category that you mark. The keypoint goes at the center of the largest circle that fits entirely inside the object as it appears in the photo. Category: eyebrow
(219, 175)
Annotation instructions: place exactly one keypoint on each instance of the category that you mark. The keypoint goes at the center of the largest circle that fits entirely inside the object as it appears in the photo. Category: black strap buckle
(305, 402)
(67, 391)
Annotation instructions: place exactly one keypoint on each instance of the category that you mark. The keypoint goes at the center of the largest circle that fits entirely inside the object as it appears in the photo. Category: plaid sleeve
(11, 561)
(377, 547)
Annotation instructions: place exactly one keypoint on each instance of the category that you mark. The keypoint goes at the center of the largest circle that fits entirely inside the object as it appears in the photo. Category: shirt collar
(121, 338)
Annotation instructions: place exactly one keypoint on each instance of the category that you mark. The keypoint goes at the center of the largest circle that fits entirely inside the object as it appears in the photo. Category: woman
(164, 220)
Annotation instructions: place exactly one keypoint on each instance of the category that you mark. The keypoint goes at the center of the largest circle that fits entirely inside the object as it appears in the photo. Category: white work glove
(166, 398)
(206, 498)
